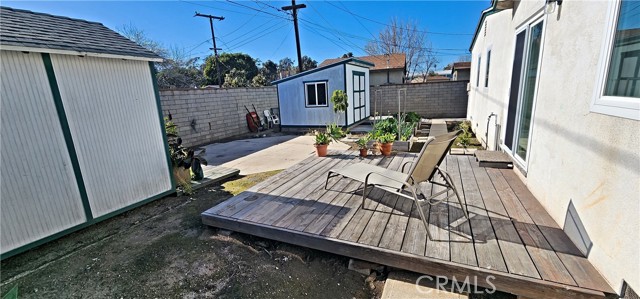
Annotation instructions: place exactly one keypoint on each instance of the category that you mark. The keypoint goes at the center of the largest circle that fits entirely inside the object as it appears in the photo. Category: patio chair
(423, 170)
(271, 118)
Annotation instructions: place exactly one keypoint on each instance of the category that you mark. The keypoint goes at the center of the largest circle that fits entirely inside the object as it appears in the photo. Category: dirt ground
(162, 250)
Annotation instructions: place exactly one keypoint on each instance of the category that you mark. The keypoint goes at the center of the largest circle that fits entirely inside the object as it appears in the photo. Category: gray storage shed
(82, 135)
(304, 98)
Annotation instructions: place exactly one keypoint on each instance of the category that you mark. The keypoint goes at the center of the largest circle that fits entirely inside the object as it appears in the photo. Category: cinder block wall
(431, 100)
(217, 113)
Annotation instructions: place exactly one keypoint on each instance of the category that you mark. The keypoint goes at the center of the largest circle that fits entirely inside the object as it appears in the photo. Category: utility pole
(295, 8)
(213, 37)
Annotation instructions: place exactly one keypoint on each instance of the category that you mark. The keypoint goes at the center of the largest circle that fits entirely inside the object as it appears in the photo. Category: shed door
(359, 99)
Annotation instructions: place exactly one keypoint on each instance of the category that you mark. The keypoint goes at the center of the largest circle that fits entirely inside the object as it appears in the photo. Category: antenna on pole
(213, 37)
(294, 7)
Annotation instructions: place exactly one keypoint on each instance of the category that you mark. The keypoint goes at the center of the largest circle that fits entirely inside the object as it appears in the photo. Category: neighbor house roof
(39, 32)
(322, 67)
(461, 66)
(396, 61)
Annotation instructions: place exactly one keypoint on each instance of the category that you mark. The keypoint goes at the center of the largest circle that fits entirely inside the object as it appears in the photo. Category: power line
(256, 9)
(256, 36)
(381, 23)
(282, 42)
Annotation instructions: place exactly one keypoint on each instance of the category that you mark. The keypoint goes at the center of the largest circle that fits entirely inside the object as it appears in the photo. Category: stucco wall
(379, 77)
(576, 156)
(218, 113)
(293, 110)
(446, 99)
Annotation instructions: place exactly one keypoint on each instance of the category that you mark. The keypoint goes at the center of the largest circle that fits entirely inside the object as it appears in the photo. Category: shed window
(316, 93)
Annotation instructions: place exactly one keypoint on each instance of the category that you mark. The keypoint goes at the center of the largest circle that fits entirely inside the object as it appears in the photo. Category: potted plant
(386, 142)
(362, 145)
(322, 142)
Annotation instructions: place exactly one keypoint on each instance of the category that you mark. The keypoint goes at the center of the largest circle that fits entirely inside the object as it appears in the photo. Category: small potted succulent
(322, 142)
(386, 142)
(362, 145)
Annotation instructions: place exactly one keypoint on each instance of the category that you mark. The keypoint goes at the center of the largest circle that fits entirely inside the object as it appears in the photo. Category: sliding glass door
(519, 127)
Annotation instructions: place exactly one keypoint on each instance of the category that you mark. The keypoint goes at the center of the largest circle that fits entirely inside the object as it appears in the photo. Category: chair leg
(449, 182)
(424, 219)
(326, 183)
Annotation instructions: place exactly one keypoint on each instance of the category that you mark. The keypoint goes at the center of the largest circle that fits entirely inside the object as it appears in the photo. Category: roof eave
(311, 71)
(494, 8)
(79, 53)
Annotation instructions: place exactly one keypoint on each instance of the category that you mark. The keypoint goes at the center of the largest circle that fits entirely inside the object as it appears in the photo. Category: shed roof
(322, 67)
(26, 29)
(396, 61)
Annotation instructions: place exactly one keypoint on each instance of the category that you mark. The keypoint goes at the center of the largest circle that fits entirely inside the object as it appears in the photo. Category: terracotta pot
(385, 148)
(321, 149)
(363, 152)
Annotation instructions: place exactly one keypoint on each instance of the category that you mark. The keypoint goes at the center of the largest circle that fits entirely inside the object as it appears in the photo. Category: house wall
(447, 99)
(379, 77)
(216, 113)
(577, 157)
(293, 110)
(351, 116)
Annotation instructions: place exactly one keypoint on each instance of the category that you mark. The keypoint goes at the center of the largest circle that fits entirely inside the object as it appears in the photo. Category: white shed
(82, 135)
(304, 98)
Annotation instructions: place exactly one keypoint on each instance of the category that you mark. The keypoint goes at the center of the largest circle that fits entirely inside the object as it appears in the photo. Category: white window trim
(626, 107)
(306, 94)
(485, 82)
(540, 18)
(479, 72)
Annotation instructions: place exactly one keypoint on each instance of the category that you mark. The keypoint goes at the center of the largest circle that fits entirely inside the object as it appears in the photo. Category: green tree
(260, 80)
(285, 67)
(269, 70)
(235, 78)
(308, 63)
(243, 63)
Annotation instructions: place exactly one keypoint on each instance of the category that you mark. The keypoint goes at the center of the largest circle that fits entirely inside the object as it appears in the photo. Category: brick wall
(431, 100)
(217, 113)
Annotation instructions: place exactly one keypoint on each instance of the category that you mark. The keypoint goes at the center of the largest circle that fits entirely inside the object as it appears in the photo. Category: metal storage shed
(81, 130)
(304, 98)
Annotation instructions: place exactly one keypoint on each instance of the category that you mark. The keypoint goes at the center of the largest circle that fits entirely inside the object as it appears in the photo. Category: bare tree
(464, 58)
(138, 36)
(408, 38)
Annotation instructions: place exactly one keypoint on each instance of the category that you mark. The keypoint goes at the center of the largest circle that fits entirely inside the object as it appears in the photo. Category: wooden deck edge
(515, 284)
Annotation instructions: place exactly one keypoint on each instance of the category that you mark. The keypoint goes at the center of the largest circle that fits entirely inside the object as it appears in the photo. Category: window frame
(625, 107)
(487, 65)
(478, 72)
(306, 93)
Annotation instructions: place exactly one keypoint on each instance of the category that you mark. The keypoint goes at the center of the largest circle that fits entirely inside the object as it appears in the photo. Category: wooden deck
(509, 236)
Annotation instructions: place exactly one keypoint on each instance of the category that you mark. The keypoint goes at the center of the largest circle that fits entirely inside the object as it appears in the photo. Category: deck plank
(461, 237)
(547, 262)
(513, 250)
(486, 246)
(327, 214)
(439, 223)
(378, 224)
(267, 201)
(303, 194)
(246, 198)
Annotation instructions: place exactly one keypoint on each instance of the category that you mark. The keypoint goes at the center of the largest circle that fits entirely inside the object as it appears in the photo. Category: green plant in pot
(362, 145)
(322, 142)
(386, 142)
(183, 161)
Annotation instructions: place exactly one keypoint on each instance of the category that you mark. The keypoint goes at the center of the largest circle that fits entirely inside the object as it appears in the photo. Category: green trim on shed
(66, 131)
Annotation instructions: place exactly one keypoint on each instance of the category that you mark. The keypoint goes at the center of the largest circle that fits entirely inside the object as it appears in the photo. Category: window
(316, 93)
(618, 85)
(486, 73)
(478, 73)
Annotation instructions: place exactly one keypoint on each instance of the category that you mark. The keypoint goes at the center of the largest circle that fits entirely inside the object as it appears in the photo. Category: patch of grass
(238, 186)
(473, 143)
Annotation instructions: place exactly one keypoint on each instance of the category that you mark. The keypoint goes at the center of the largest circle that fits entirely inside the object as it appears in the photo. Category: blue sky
(327, 29)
